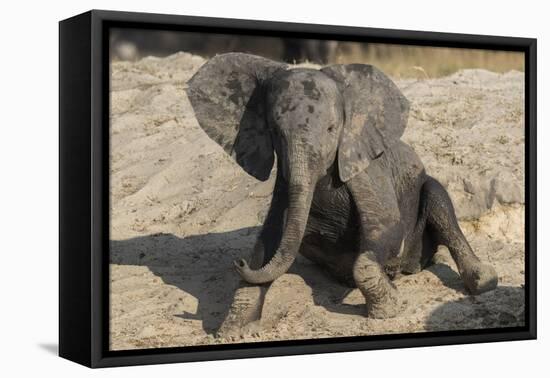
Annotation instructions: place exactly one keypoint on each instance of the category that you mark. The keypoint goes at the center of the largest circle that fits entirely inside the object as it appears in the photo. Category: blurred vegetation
(420, 61)
(399, 61)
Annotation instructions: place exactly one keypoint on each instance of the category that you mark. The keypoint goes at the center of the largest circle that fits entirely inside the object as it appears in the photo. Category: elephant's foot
(381, 296)
(244, 313)
(478, 277)
(388, 306)
(237, 331)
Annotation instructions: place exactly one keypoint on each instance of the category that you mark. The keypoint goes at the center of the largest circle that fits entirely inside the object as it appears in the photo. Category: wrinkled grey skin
(349, 195)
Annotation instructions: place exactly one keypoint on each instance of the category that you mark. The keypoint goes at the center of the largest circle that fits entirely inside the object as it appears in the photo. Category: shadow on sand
(202, 266)
(500, 308)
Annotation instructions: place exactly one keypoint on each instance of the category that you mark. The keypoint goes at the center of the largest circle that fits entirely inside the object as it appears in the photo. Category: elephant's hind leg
(477, 276)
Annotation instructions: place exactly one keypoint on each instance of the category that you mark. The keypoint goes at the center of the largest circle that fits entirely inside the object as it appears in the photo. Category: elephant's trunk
(300, 196)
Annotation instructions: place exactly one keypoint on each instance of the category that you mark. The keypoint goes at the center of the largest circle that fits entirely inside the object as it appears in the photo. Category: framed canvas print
(233, 188)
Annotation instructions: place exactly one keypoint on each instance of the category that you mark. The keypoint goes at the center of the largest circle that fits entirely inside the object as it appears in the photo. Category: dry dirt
(182, 211)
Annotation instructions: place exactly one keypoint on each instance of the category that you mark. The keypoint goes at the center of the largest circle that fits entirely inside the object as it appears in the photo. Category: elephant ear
(376, 115)
(227, 98)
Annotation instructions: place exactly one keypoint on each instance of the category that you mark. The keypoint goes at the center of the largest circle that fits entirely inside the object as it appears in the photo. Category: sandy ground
(182, 211)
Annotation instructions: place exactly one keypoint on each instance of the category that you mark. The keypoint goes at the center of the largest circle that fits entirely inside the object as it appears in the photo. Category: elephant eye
(330, 128)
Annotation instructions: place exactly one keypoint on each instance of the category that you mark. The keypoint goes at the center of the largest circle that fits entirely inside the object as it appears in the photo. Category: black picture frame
(84, 188)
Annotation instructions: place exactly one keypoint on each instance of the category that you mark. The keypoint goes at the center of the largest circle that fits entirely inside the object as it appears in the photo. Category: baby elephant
(349, 194)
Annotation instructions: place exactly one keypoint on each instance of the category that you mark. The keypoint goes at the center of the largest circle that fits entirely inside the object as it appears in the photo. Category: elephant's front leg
(381, 296)
(381, 239)
(246, 309)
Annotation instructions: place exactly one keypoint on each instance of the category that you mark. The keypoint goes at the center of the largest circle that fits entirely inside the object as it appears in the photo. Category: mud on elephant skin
(349, 194)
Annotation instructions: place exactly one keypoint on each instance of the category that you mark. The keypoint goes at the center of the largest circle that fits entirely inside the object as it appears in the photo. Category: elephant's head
(254, 107)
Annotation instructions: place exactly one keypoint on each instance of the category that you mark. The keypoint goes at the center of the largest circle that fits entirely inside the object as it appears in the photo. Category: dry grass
(427, 62)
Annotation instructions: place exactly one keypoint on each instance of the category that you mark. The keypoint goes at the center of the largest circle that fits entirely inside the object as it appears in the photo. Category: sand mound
(182, 211)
